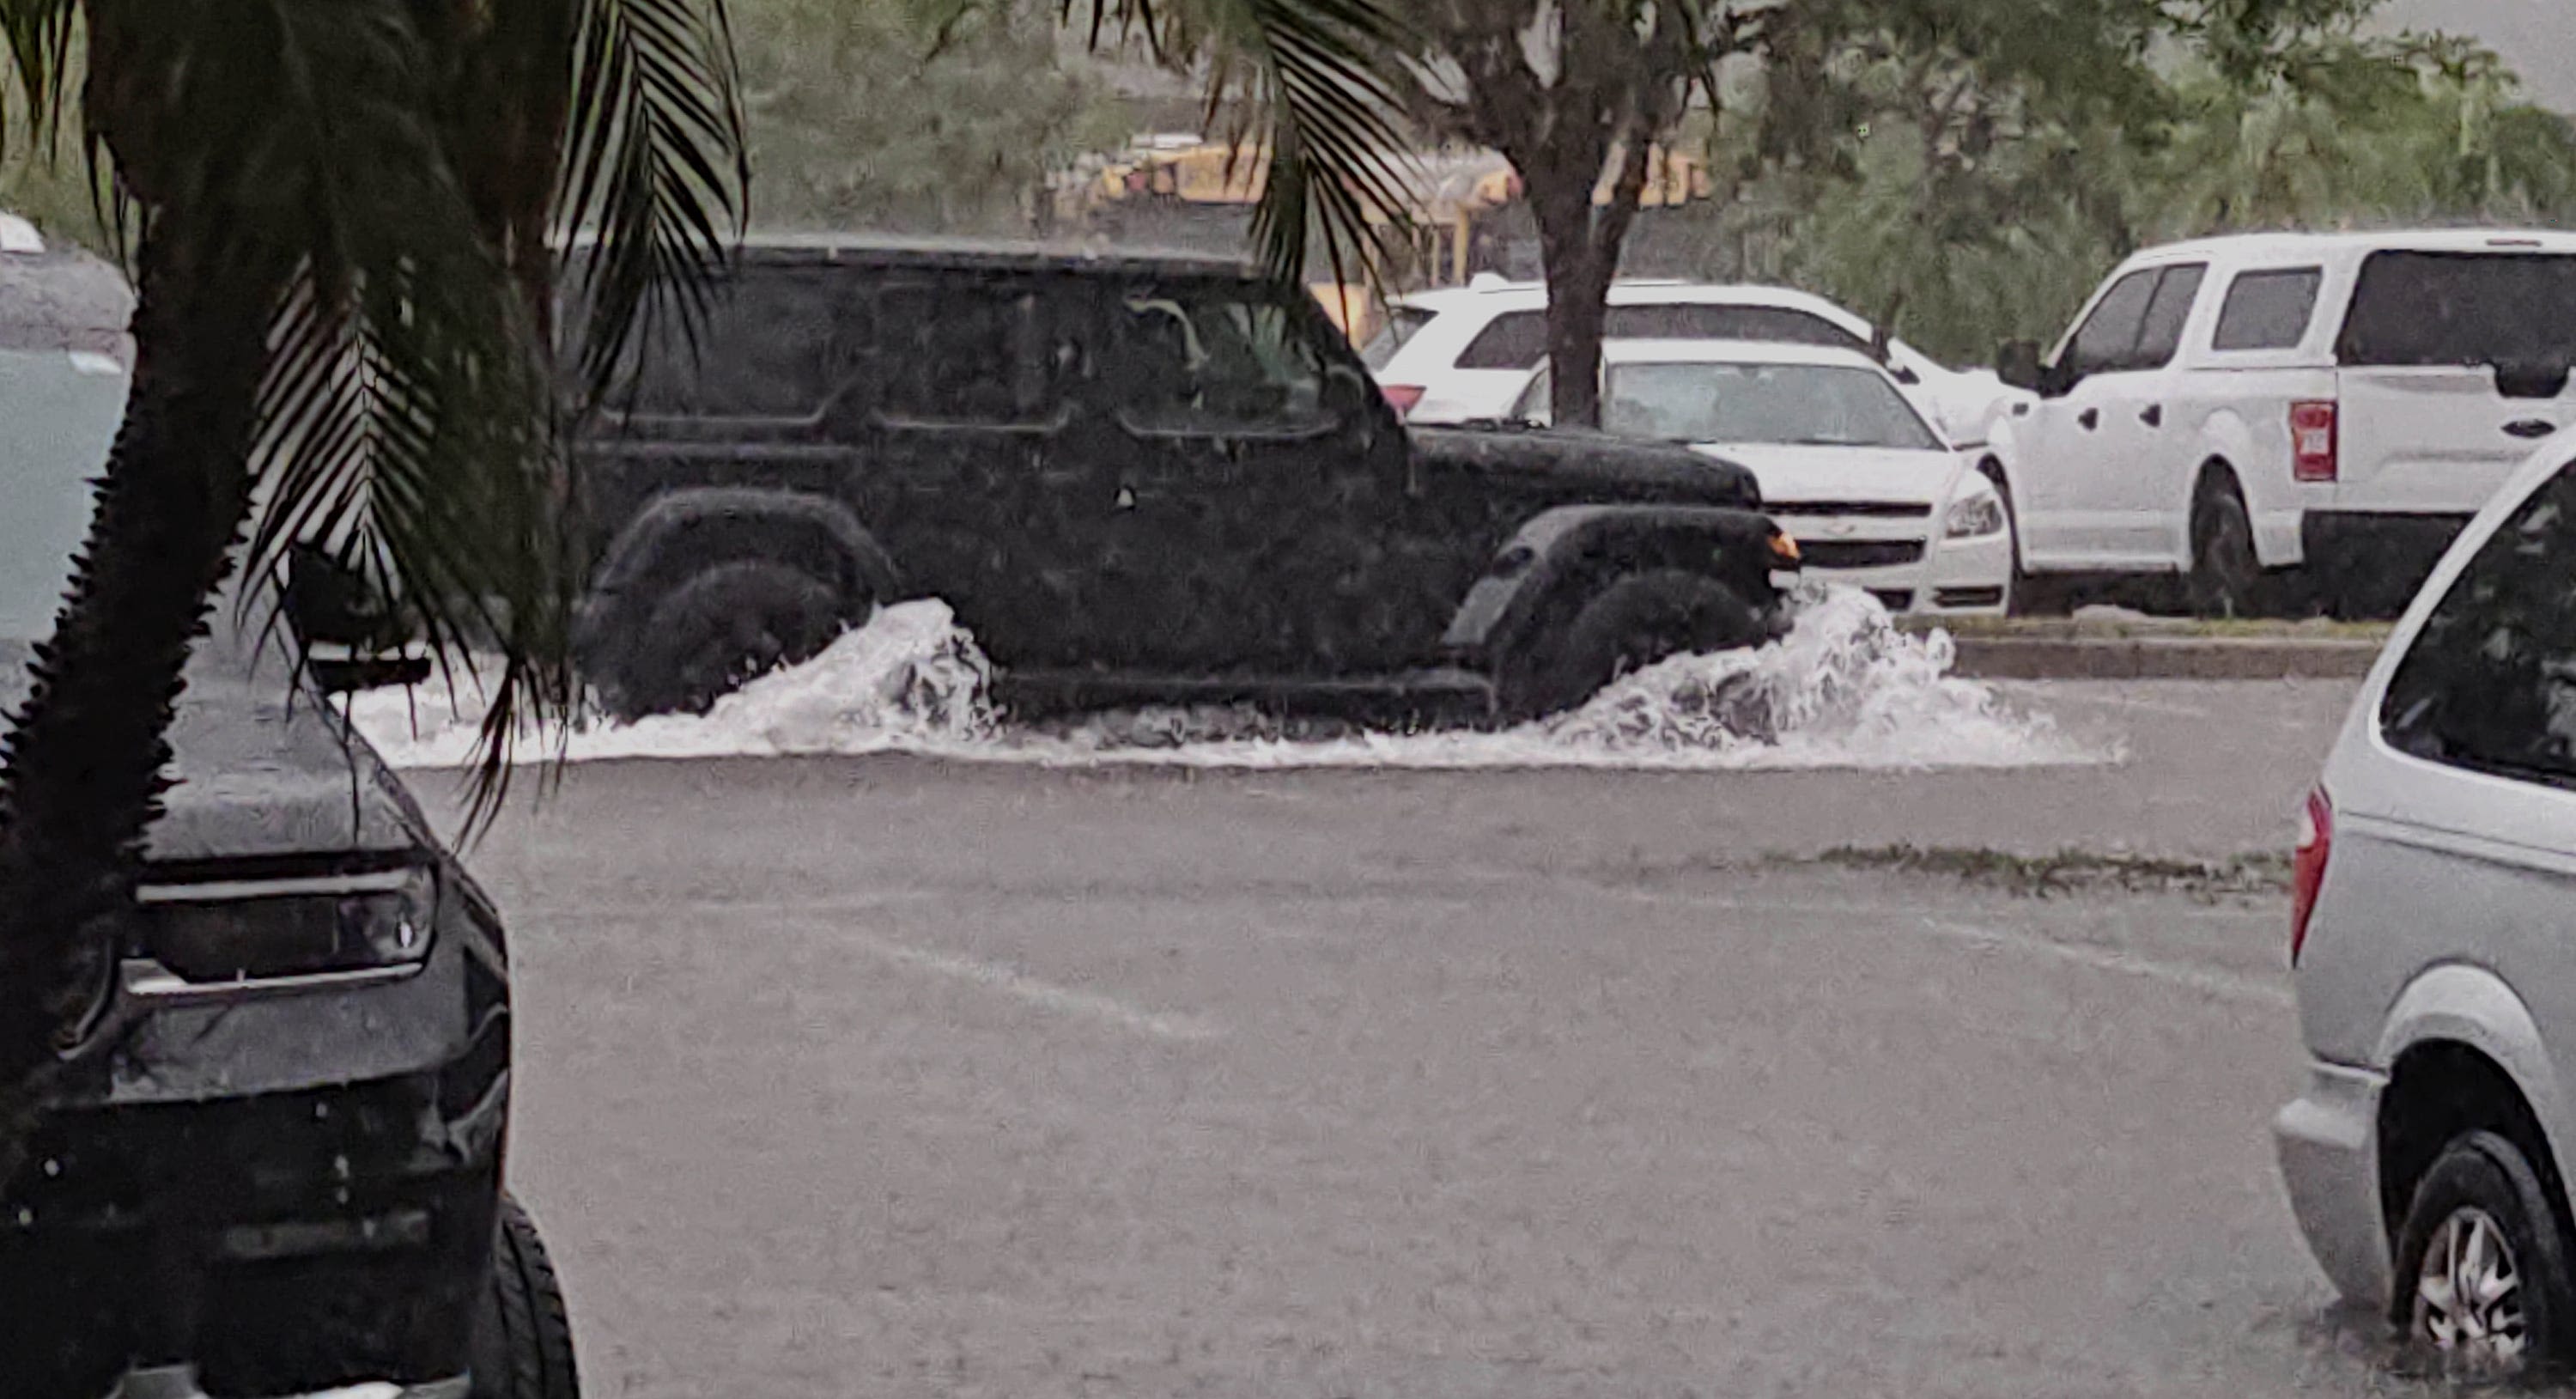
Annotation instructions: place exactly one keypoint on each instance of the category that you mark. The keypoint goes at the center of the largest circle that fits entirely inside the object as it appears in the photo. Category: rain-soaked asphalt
(889, 1077)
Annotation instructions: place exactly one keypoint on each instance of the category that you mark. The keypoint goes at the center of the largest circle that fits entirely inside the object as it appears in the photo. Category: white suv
(1464, 353)
(2230, 409)
(2427, 1160)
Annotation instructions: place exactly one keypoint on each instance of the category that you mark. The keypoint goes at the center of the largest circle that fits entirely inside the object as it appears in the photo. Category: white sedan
(1875, 496)
(1461, 353)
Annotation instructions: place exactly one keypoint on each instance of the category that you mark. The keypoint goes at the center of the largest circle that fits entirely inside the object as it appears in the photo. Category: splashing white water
(1845, 689)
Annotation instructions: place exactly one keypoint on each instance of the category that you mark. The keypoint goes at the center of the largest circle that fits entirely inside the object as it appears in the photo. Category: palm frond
(656, 183)
(39, 36)
(405, 410)
(1317, 81)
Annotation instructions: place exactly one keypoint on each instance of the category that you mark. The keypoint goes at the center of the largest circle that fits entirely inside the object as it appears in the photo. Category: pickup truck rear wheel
(2226, 575)
(718, 629)
(1634, 623)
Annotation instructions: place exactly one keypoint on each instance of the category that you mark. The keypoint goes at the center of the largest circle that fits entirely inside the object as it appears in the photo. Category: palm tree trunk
(85, 767)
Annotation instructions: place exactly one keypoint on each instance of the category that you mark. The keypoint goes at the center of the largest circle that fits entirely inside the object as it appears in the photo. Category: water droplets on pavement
(1845, 689)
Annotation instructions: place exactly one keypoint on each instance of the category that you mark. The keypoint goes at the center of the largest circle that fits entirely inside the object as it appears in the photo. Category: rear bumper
(2374, 559)
(2328, 1140)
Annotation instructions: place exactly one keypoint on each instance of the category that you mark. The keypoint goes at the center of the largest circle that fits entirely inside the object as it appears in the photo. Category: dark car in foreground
(271, 1162)
(1134, 479)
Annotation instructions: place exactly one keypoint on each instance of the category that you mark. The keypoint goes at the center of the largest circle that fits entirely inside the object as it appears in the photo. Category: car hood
(1623, 468)
(1794, 476)
(266, 771)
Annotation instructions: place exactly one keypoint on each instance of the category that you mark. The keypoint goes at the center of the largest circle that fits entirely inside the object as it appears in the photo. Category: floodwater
(1846, 689)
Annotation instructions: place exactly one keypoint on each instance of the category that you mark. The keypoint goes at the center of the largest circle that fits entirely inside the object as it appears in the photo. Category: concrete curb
(1990, 657)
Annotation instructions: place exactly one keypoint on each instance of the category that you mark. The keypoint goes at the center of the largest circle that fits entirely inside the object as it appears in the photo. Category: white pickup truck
(2235, 409)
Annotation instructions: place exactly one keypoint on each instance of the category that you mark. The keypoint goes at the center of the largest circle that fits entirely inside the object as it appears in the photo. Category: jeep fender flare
(1564, 556)
(686, 531)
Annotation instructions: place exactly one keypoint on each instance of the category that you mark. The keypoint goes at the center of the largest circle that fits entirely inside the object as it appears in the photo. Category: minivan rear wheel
(2482, 1281)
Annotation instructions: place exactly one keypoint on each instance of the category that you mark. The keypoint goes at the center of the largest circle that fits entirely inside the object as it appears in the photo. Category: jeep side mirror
(2017, 364)
(1346, 394)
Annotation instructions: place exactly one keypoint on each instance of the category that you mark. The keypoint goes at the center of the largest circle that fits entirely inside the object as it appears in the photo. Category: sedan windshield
(1770, 404)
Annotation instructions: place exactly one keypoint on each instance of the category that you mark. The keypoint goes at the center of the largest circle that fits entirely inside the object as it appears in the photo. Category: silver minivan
(2434, 937)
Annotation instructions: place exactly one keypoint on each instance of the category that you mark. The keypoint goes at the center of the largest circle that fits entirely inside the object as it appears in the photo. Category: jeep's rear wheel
(1632, 624)
(718, 629)
(522, 1331)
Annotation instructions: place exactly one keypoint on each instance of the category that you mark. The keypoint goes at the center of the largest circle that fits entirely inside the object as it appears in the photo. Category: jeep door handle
(2154, 416)
(2090, 418)
(2530, 428)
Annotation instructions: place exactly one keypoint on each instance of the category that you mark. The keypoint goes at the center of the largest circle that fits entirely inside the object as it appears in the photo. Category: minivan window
(2107, 337)
(2490, 684)
(765, 352)
(2268, 310)
(2160, 338)
(2413, 309)
(1515, 340)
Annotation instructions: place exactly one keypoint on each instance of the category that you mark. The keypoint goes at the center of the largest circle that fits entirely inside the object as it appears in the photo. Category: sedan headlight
(1976, 517)
(255, 930)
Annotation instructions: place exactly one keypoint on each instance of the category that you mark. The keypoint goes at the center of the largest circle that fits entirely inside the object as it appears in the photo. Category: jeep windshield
(2422, 309)
(1801, 405)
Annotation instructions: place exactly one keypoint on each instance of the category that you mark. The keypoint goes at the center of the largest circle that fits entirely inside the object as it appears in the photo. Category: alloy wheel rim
(2468, 1296)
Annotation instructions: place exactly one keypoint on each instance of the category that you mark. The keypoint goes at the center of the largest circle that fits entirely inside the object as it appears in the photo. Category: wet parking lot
(900, 1075)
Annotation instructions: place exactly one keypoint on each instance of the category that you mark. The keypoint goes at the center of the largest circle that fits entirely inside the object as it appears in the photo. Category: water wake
(1845, 689)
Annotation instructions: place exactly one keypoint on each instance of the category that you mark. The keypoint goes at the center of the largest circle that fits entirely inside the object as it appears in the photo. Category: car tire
(2482, 1199)
(522, 1331)
(2023, 593)
(719, 629)
(2226, 578)
(1634, 623)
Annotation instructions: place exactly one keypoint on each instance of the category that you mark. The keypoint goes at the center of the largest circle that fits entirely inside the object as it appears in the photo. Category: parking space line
(2218, 985)
(1046, 995)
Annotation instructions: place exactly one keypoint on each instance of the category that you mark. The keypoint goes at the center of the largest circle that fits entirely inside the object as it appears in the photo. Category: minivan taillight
(2308, 866)
(2315, 448)
(1403, 397)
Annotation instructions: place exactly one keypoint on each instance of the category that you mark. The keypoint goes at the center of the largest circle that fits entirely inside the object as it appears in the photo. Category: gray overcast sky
(2536, 36)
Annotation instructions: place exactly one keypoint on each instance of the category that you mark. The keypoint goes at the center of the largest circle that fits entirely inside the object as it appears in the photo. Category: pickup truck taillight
(2308, 866)
(2315, 451)
(1402, 397)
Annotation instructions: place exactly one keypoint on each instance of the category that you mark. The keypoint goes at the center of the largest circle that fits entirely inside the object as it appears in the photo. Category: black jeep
(1134, 479)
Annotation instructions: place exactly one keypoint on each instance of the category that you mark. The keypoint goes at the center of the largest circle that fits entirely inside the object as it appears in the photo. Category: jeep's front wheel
(1635, 623)
(522, 1330)
(716, 631)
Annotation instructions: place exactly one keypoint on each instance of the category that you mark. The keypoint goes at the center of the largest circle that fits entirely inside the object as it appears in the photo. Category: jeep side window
(1515, 340)
(1191, 363)
(2108, 336)
(765, 352)
(2490, 683)
(967, 356)
(2268, 310)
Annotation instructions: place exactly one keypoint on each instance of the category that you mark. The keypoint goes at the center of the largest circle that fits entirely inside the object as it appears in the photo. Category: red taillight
(1402, 396)
(2308, 866)
(2316, 449)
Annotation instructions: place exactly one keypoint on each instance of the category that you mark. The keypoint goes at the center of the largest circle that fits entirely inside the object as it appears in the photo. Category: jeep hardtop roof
(981, 255)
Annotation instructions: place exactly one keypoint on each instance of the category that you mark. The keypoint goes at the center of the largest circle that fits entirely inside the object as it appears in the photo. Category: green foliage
(1971, 203)
(910, 116)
